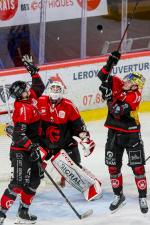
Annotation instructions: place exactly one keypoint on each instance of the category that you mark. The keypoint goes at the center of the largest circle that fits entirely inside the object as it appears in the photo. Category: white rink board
(81, 80)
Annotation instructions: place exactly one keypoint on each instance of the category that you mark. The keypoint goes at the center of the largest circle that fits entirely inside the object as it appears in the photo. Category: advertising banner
(80, 79)
(17, 12)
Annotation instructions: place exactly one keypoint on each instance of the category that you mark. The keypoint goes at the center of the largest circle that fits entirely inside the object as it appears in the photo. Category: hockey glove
(88, 145)
(113, 59)
(35, 155)
(119, 110)
(28, 63)
(106, 91)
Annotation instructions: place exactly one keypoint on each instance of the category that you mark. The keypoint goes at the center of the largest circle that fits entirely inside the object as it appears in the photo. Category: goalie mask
(17, 88)
(136, 79)
(55, 90)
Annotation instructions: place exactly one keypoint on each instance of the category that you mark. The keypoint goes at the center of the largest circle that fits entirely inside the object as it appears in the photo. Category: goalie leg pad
(95, 191)
(75, 175)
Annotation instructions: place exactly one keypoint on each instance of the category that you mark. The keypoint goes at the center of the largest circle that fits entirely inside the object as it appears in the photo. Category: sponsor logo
(66, 158)
(25, 7)
(36, 4)
(131, 68)
(135, 157)
(81, 75)
(91, 4)
(110, 154)
(115, 183)
(61, 114)
(141, 184)
(73, 176)
(9, 203)
(8, 9)
(111, 162)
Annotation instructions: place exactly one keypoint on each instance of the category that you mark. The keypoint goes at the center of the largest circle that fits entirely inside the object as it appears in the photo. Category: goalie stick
(80, 216)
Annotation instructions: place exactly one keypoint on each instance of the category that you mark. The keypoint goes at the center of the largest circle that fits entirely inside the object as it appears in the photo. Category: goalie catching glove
(88, 145)
(29, 65)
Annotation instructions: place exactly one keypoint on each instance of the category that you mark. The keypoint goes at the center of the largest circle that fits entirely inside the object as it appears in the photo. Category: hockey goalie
(60, 122)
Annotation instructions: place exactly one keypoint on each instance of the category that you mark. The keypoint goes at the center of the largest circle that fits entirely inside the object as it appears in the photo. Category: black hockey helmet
(17, 88)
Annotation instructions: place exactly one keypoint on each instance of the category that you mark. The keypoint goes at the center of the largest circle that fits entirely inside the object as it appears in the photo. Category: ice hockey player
(61, 121)
(123, 97)
(24, 149)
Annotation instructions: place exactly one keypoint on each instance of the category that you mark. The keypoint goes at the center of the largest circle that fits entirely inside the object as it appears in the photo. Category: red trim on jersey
(36, 75)
(18, 149)
(27, 144)
(104, 71)
(120, 129)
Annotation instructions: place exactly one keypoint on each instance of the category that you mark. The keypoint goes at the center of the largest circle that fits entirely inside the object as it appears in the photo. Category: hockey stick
(128, 24)
(147, 158)
(80, 216)
(7, 104)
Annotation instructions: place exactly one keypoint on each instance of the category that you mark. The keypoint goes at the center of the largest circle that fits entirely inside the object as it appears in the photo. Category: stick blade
(86, 214)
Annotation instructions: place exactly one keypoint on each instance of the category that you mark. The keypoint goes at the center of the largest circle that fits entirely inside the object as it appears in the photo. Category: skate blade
(119, 207)
(23, 221)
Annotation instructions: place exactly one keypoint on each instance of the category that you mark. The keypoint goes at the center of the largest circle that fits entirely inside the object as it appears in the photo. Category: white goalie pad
(79, 178)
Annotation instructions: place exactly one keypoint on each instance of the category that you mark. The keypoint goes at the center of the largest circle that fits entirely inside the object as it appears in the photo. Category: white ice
(52, 209)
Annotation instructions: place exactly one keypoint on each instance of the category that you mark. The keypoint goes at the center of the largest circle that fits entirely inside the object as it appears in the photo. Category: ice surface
(52, 209)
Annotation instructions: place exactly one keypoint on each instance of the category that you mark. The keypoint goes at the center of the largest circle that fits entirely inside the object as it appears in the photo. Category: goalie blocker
(79, 177)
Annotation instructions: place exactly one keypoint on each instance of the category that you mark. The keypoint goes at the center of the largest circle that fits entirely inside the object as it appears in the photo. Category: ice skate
(23, 216)
(143, 205)
(118, 202)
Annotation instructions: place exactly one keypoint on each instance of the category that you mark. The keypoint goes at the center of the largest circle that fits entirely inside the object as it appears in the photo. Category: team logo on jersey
(53, 134)
(61, 114)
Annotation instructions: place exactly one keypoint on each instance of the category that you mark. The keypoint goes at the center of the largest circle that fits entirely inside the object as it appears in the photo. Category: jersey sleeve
(19, 136)
(37, 86)
(21, 114)
(73, 112)
(133, 99)
(76, 122)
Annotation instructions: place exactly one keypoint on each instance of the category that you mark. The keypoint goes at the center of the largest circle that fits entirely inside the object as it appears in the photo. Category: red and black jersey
(60, 122)
(129, 120)
(26, 117)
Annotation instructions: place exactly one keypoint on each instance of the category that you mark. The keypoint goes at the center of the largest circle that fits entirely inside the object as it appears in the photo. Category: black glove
(28, 63)
(115, 110)
(113, 59)
(106, 91)
(35, 155)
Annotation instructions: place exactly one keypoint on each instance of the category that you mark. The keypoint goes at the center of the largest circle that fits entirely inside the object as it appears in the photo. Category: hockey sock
(7, 199)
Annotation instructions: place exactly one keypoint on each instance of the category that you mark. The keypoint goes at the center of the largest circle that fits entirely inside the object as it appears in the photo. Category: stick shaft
(128, 24)
(60, 191)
